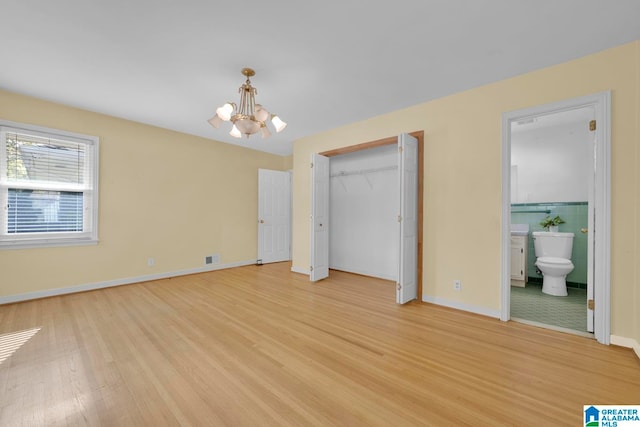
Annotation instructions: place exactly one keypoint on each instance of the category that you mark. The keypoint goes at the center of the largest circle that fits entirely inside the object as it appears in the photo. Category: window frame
(89, 235)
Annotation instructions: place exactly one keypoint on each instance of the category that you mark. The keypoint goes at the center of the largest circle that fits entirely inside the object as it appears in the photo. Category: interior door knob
(261, 221)
(584, 230)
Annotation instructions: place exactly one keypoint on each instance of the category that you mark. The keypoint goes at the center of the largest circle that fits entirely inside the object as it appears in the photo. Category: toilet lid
(554, 260)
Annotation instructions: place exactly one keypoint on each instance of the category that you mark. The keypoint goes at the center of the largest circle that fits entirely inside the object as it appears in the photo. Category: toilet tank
(547, 244)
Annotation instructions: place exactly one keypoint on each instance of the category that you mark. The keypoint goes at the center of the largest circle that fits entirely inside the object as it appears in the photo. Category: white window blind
(47, 187)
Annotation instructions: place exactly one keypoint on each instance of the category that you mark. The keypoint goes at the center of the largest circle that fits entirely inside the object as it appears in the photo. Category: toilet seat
(554, 261)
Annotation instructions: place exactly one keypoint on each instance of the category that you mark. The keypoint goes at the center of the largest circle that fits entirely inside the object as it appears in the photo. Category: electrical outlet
(151, 261)
(457, 285)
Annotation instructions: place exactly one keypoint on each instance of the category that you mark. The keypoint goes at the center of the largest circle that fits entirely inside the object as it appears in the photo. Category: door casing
(601, 102)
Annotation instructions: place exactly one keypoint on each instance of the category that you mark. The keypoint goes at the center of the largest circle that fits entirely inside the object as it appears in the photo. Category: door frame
(393, 140)
(601, 103)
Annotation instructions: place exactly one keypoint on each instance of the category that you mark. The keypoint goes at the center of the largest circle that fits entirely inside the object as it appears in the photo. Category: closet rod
(533, 211)
(364, 171)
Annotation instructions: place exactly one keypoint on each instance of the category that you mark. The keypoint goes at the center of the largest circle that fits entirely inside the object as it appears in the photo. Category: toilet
(553, 259)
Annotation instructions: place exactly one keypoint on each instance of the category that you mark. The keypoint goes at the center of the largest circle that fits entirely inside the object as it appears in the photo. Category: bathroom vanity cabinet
(518, 260)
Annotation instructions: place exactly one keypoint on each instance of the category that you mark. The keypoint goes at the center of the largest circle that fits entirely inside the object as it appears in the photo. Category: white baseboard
(369, 273)
(299, 270)
(626, 342)
(117, 282)
(461, 306)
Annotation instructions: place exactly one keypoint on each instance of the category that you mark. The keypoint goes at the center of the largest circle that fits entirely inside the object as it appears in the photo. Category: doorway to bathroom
(556, 166)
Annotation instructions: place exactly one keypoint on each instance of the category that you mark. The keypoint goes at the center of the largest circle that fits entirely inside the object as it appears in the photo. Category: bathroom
(552, 176)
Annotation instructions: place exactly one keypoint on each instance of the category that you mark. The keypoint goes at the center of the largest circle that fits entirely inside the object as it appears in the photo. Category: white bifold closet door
(319, 268)
(407, 286)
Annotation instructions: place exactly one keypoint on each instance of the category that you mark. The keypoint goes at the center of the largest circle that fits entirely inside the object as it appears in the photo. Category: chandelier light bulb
(265, 132)
(235, 132)
(261, 114)
(215, 121)
(278, 123)
(225, 111)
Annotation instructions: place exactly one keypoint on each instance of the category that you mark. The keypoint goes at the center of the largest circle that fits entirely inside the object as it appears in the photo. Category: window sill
(33, 244)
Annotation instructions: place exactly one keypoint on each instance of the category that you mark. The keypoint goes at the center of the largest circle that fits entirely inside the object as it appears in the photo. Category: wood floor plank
(259, 345)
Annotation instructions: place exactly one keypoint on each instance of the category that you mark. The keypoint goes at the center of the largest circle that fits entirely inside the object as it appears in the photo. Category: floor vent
(212, 259)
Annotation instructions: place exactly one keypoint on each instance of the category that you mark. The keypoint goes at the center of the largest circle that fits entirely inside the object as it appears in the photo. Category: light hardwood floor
(260, 345)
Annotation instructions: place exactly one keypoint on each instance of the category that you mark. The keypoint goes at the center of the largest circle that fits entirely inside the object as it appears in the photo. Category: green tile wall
(575, 216)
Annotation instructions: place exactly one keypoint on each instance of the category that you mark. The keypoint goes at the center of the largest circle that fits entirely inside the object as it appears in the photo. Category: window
(48, 187)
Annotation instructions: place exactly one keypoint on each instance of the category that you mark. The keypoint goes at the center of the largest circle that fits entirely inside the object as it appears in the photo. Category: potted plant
(552, 223)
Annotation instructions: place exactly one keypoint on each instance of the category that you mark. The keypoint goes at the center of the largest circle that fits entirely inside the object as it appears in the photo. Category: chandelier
(249, 117)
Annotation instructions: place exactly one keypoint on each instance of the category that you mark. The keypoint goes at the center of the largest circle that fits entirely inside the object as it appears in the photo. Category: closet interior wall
(363, 236)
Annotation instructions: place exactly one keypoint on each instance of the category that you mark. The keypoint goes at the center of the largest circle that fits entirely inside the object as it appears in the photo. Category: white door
(274, 216)
(407, 286)
(319, 217)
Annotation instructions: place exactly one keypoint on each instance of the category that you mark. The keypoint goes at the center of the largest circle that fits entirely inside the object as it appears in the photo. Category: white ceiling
(319, 65)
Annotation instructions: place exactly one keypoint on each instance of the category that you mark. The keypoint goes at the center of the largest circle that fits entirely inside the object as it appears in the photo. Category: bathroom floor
(529, 303)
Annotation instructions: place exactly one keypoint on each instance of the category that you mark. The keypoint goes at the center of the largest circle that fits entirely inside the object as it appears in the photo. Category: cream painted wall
(163, 194)
(462, 167)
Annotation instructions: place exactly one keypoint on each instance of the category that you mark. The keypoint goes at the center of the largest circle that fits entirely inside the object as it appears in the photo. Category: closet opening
(363, 213)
